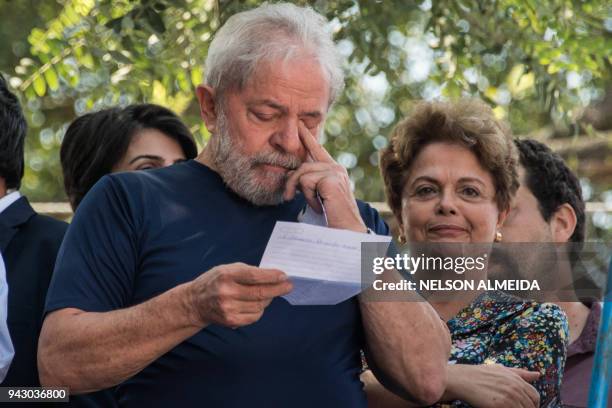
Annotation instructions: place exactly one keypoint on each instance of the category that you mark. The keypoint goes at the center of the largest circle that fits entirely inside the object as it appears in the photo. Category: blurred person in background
(450, 174)
(549, 208)
(137, 137)
(29, 243)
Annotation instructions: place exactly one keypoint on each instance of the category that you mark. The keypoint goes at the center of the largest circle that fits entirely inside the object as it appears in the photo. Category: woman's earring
(498, 236)
(401, 239)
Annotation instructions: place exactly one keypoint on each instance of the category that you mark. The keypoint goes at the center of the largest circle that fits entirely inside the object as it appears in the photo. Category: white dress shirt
(9, 199)
(6, 346)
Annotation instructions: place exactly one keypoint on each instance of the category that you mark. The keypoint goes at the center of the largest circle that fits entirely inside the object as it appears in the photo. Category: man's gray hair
(267, 33)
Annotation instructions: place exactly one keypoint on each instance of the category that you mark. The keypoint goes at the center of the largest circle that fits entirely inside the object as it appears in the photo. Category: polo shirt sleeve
(372, 219)
(97, 262)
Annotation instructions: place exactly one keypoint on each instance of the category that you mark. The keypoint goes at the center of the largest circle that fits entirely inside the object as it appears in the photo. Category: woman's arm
(481, 386)
(491, 386)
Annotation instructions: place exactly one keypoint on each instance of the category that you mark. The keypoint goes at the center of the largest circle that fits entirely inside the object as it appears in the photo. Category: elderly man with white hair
(155, 291)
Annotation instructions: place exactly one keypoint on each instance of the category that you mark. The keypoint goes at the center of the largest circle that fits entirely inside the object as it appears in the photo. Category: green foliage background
(538, 63)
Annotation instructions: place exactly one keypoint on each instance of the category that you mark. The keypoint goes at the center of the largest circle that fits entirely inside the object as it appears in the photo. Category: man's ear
(208, 111)
(563, 223)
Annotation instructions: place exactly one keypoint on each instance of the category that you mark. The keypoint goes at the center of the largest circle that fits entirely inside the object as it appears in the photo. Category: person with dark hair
(549, 208)
(138, 137)
(28, 243)
(545, 177)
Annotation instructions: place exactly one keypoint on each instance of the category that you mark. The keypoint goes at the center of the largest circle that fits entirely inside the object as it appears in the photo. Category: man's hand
(323, 176)
(492, 386)
(235, 295)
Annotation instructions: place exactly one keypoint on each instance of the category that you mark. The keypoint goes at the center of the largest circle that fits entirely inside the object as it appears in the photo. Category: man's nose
(287, 138)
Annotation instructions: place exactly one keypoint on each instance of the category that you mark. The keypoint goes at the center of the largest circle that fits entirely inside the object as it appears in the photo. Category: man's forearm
(407, 345)
(89, 351)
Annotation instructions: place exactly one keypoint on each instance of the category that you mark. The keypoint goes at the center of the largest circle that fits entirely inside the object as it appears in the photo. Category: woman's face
(150, 149)
(449, 197)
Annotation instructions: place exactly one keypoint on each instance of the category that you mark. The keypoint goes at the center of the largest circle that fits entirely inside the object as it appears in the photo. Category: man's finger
(248, 307)
(263, 293)
(294, 179)
(318, 152)
(309, 183)
(313, 201)
(252, 275)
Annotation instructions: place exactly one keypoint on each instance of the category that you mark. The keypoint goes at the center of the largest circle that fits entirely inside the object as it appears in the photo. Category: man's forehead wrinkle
(281, 83)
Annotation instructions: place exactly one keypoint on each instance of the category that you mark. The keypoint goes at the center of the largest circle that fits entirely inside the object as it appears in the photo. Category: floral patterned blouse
(498, 328)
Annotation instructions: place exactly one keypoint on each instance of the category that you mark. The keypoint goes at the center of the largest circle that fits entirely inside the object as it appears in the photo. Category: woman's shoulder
(537, 319)
(536, 313)
(509, 308)
(501, 313)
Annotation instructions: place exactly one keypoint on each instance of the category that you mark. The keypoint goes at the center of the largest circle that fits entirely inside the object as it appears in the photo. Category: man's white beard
(245, 174)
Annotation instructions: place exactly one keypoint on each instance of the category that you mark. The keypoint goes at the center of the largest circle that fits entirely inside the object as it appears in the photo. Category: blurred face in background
(525, 222)
(449, 197)
(150, 149)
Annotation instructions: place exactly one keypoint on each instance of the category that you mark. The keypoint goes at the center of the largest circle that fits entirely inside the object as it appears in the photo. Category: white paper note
(310, 216)
(324, 264)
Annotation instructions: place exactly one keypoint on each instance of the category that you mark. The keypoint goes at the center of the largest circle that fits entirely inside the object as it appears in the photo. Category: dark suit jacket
(29, 243)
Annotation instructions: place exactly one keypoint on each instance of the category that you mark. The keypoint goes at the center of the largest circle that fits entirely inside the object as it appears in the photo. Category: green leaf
(196, 76)
(119, 57)
(83, 7)
(40, 86)
(51, 78)
(127, 23)
(183, 82)
(74, 80)
(115, 24)
(159, 6)
(87, 61)
(30, 94)
(155, 20)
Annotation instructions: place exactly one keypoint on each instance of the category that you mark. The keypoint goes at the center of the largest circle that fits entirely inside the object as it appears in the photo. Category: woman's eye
(470, 192)
(425, 191)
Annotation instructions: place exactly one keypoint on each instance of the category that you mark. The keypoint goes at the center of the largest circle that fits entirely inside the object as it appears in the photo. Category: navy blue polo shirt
(139, 234)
